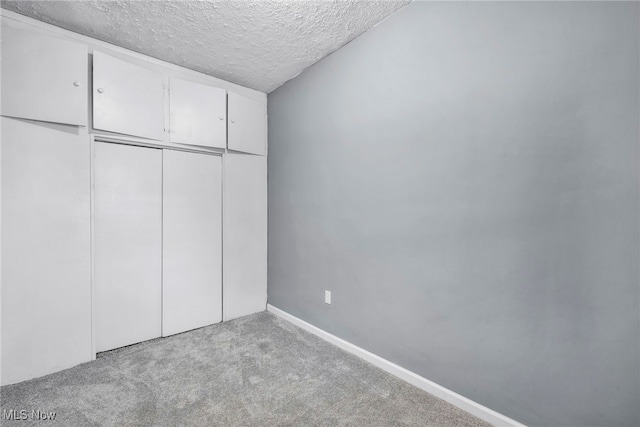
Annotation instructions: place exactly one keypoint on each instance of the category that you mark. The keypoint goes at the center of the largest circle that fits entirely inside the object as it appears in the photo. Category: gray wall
(464, 179)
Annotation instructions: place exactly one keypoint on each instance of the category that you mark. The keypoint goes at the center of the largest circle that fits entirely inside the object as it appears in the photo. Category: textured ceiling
(258, 44)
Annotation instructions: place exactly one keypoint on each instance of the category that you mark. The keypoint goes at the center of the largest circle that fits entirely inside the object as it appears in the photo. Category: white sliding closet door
(192, 239)
(128, 244)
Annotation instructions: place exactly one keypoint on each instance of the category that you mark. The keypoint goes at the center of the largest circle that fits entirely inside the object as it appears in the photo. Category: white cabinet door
(245, 235)
(247, 125)
(127, 98)
(198, 114)
(127, 244)
(43, 78)
(46, 266)
(192, 241)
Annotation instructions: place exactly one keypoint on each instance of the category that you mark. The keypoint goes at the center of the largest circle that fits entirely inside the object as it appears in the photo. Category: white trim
(150, 143)
(412, 378)
(92, 247)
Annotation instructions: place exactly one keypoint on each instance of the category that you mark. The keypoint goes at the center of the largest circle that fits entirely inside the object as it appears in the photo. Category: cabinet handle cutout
(100, 90)
(76, 83)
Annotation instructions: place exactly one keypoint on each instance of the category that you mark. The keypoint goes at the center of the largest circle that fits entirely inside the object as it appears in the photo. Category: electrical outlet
(327, 297)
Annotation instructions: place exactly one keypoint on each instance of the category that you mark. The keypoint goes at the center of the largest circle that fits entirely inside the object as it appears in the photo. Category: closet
(134, 199)
(158, 242)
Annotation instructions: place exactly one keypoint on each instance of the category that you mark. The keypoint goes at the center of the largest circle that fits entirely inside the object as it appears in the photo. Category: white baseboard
(443, 393)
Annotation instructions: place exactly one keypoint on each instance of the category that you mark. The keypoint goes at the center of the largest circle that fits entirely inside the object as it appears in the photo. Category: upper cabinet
(127, 98)
(247, 125)
(43, 78)
(198, 114)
